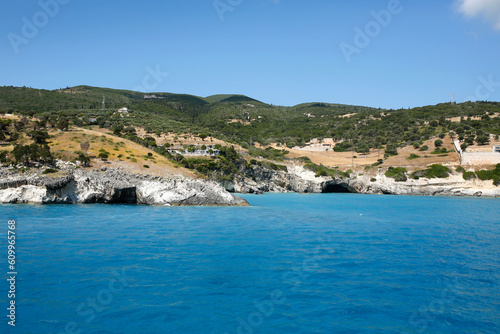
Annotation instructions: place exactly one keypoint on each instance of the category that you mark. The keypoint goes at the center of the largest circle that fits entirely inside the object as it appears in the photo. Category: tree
(32, 153)
(363, 149)
(39, 136)
(438, 143)
(63, 124)
(483, 139)
(391, 149)
(85, 160)
(117, 129)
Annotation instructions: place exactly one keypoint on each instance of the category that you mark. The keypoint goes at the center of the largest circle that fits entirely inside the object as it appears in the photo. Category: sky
(387, 54)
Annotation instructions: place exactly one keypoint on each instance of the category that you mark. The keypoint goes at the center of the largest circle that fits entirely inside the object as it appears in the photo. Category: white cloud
(489, 9)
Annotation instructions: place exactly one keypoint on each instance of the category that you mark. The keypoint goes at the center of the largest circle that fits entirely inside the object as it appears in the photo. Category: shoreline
(114, 186)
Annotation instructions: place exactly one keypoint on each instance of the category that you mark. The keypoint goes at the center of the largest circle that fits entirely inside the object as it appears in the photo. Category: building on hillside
(496, 148)
(123, 110)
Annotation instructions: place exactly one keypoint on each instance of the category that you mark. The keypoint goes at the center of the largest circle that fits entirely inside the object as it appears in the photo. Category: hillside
(331, 134)
(121, 153)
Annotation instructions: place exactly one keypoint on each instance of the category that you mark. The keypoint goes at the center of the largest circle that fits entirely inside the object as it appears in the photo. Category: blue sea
(289, 263)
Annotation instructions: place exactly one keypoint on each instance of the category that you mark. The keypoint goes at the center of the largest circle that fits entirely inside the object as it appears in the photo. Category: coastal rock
(299, 179)
(112, 186)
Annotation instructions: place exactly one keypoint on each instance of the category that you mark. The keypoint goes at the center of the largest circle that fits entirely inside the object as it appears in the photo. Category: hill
(340, 131)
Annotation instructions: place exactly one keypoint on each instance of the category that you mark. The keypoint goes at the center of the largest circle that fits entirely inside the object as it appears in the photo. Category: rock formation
(299, 179)
(111, 186)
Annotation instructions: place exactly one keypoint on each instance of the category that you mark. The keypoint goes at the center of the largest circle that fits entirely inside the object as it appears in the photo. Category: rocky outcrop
(454, 185)
(111, 186)
(298, 179)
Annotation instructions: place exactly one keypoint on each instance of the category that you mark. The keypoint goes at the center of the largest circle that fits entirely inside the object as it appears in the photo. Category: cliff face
(112, 186)
(298, 179)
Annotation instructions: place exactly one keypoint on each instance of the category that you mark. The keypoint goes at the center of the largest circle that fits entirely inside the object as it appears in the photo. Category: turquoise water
(290, 263)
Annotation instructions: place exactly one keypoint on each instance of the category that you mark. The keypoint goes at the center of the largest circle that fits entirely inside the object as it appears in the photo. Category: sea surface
(289, 263)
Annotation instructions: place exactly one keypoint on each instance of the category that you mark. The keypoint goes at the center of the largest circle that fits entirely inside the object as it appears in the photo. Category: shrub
(413, 156)
(391, 149)
(373, 179)
(424, 148)
(435, 171)
(84, 159)
(397, 173)
(145, 166)
(460, 169)
(50, 171)
(439, 150)
(304, 159)
(103, 155)
(3, 157)
(268, 153)
(469, 175)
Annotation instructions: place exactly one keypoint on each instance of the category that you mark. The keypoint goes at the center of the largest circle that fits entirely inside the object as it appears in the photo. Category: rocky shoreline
(111, 187)
(114, 186)
(301, 180)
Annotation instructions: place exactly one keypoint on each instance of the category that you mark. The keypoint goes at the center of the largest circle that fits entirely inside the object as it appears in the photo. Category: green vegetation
(493, 174)
(440, 151)
(27, 154)
(434, 171)
(469, 175)
(50, 171)
(397, 173)
(424, 148)
(268, 153)
(321, 170)
(225, 167)
(243, 120)
(413, 156)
